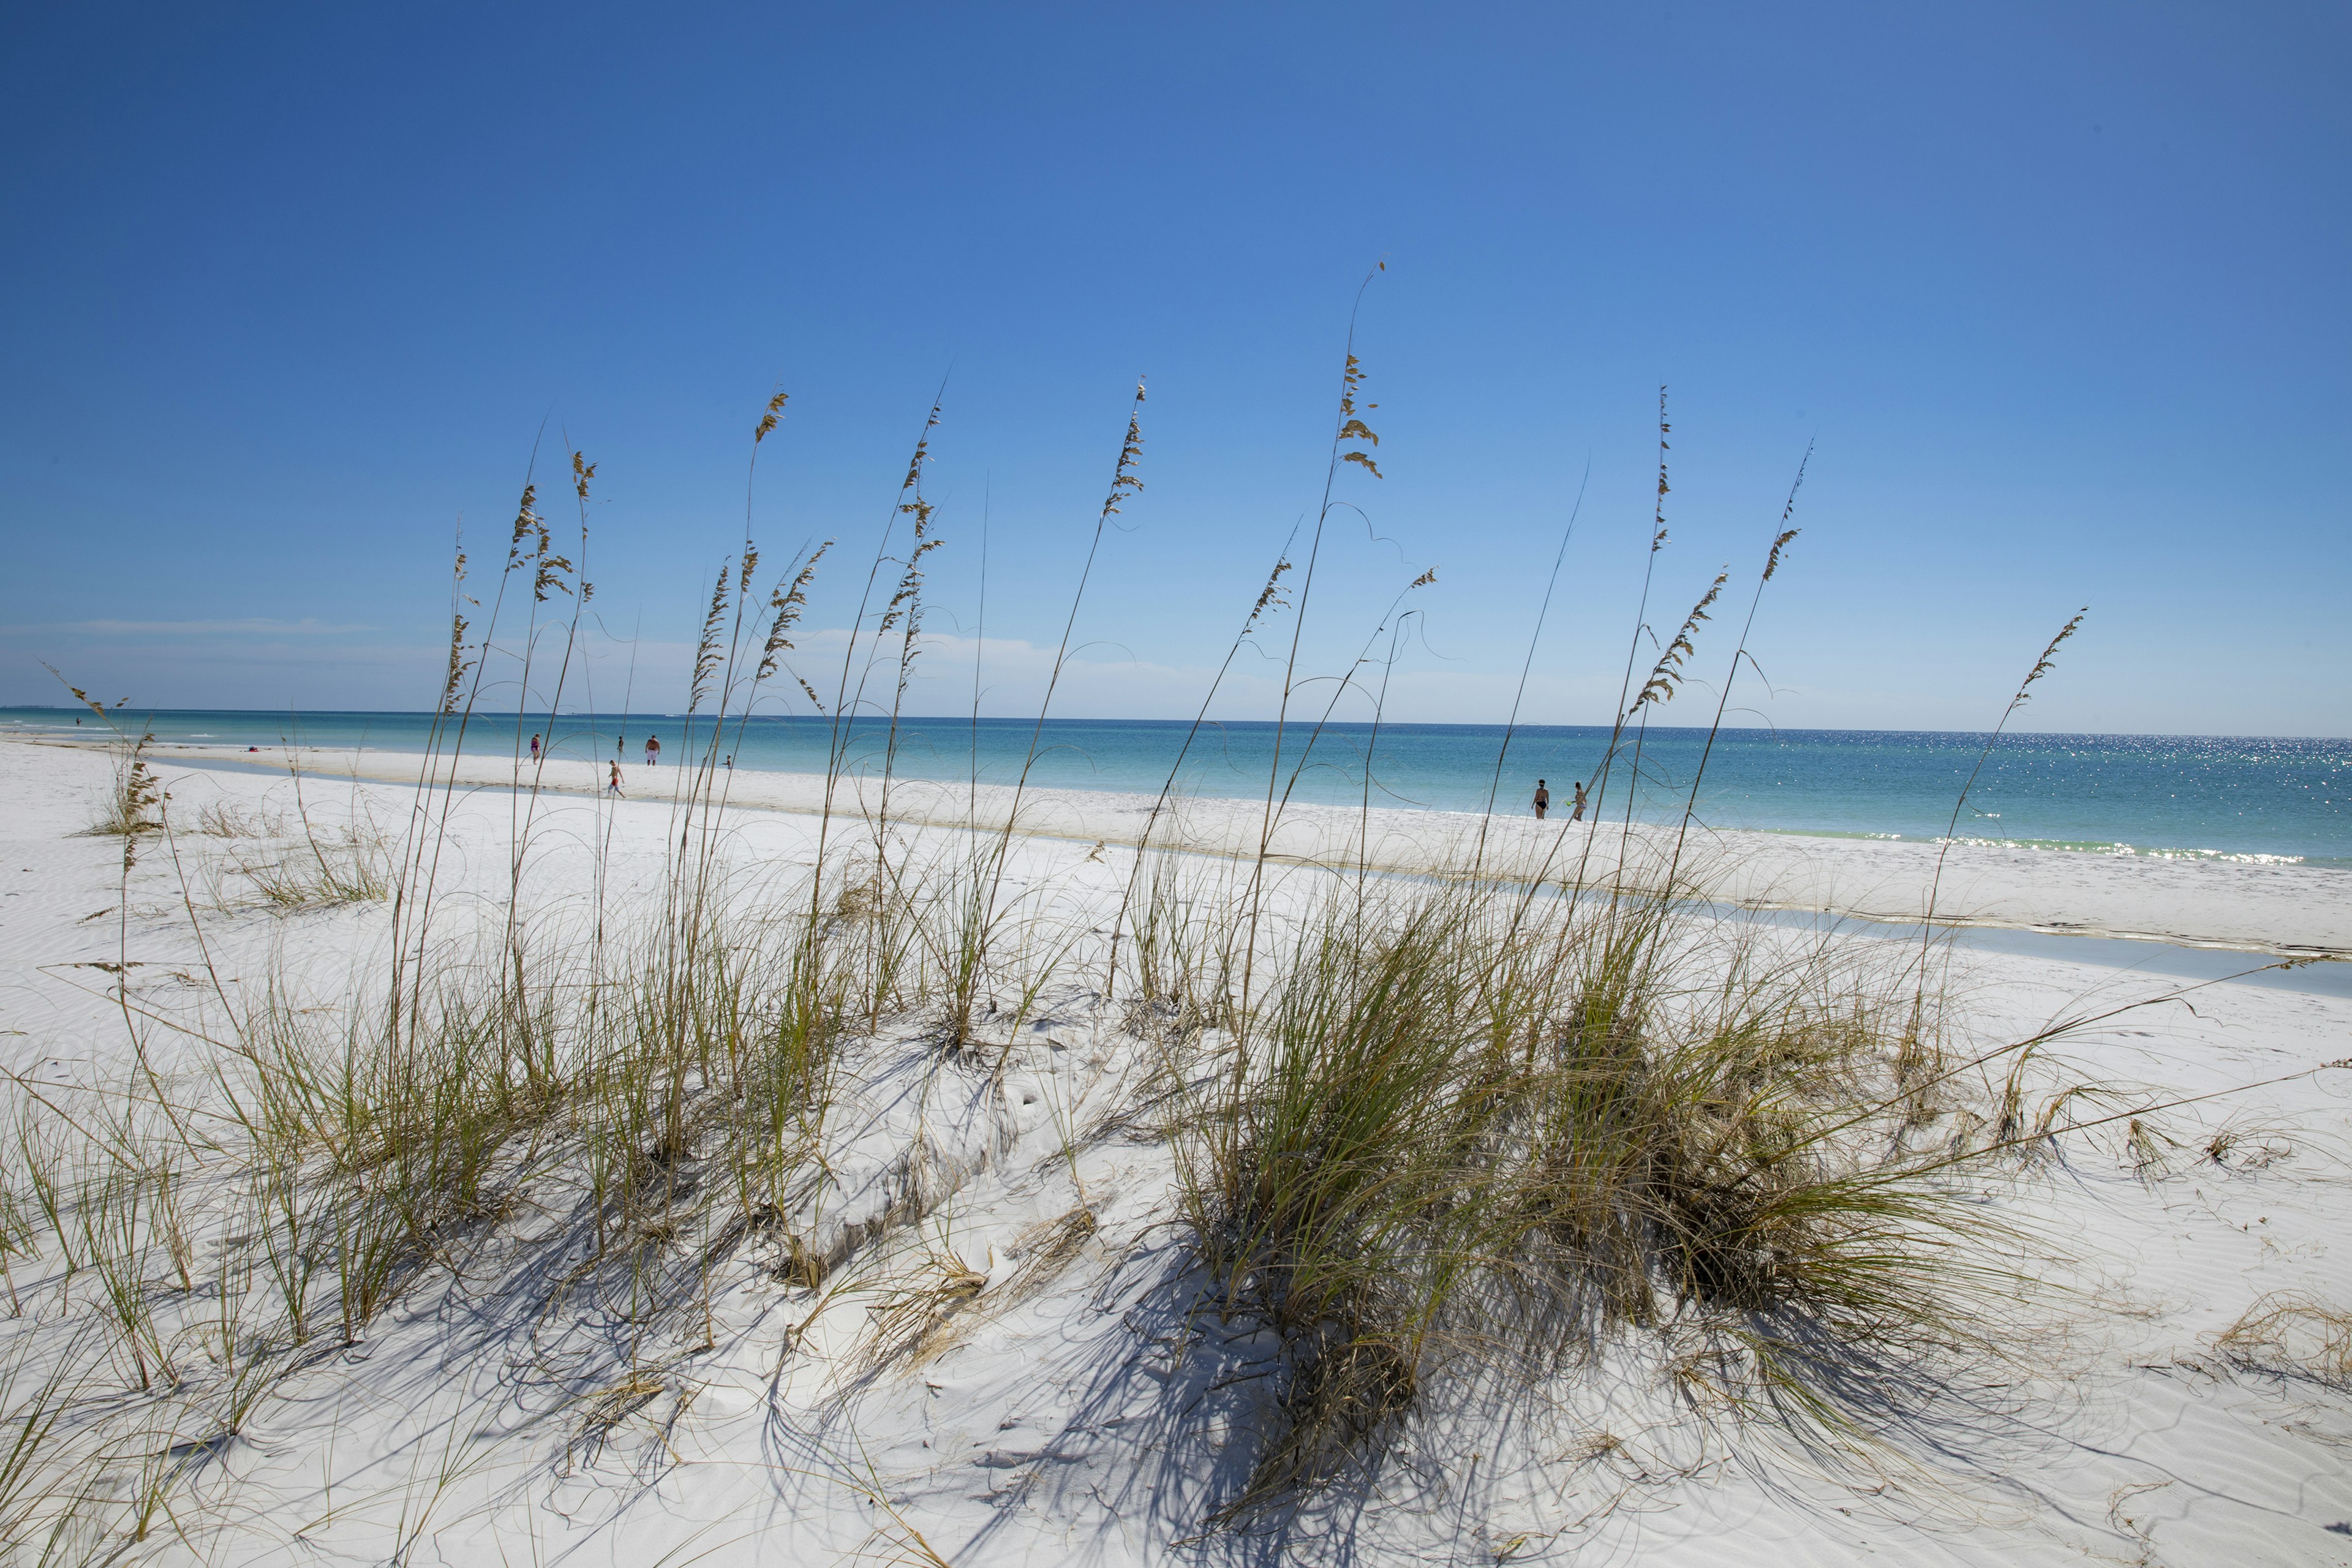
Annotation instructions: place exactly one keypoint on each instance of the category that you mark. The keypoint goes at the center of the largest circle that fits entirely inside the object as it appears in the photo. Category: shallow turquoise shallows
(2251, 798)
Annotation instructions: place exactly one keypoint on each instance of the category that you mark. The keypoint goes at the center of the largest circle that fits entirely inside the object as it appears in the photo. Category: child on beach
(613, 784)
(1543, 800)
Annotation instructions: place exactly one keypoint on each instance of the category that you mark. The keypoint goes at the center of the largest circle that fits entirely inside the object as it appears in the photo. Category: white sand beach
(1745, 957)
(1067, 1400)
(2264, 909)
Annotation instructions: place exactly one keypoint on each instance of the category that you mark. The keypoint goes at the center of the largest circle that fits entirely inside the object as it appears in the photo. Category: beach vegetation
(224, 818)
(2294, 1332)
(326, 868)
(131, 804)
(1537, 1108)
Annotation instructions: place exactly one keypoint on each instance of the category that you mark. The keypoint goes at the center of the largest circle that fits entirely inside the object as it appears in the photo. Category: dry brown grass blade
(2295, 1332)
(914, 1323)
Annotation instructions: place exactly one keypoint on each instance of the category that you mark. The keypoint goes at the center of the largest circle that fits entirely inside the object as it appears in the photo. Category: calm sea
(2190, 795)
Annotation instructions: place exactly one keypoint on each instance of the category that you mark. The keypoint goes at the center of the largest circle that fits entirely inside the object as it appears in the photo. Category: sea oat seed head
(1667, 677)
(707, 648)
(769, 420)
(526, 523)
(1270, 596)
(2043, 665)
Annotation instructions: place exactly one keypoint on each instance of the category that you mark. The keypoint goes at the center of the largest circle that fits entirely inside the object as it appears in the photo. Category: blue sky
(2058, 291)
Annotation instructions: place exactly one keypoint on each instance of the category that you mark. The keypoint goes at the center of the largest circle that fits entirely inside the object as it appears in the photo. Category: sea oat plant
(1428, 1129)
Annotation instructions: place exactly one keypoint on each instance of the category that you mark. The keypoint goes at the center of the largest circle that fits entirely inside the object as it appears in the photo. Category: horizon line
(968, 719)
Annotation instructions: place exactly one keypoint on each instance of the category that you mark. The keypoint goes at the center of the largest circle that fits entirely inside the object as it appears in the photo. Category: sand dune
(1082, 1411)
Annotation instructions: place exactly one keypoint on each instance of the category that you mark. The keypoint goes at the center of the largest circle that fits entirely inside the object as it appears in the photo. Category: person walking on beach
(534, 748)
(653, 752)
(1578, 815)
(1543, 800)
(613, 783)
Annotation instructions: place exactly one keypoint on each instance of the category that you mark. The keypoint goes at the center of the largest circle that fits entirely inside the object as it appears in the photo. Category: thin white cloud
(257, 626)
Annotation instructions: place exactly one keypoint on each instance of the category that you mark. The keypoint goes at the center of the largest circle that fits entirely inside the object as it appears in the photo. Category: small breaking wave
(2128, 851)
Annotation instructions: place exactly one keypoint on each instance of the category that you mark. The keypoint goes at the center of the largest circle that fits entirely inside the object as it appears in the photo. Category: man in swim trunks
(1543, 800)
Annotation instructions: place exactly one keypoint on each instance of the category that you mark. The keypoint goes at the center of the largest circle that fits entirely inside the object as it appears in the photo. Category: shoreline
(2272, 909)
(2141, 797)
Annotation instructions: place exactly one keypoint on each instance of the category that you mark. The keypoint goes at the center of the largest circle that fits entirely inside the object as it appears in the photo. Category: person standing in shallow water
(534, 748)
(1578, 815)
(1543, 800)
(653, 752)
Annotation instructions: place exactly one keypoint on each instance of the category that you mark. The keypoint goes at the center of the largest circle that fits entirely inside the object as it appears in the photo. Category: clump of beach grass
(1461, 1115)
(1466, 1126)
(2295, 1332)
(134, 800)
(129, 807)
(326, 869)
(224, 818)
(135, 797)
(912, 1323)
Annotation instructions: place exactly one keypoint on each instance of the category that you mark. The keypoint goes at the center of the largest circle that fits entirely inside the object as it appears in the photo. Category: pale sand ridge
(2269, 908)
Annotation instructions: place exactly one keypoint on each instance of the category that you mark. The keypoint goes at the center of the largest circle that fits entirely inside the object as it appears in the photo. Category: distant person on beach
(613, 783)
(731, 764)
(1578, 815)
(534, 748)
(1543, 800)
(653, 752)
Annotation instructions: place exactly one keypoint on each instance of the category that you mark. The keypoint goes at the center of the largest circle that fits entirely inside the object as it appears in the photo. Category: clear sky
(2060, 291)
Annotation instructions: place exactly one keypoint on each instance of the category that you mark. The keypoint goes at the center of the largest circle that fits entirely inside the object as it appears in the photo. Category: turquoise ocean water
(2248, 798)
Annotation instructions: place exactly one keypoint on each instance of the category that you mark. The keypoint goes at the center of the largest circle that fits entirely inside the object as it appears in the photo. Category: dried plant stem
(2041, 667)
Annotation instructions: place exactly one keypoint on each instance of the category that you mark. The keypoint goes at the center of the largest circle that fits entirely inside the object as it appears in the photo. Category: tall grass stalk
(2041, 667)
(1527, 665)
(1602, 775)
(1781, 542)
(1350, 437)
